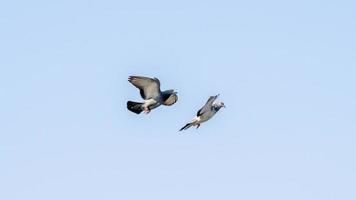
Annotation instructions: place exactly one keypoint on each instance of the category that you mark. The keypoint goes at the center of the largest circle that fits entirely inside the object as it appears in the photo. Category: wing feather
(208, 105)
(149, 87)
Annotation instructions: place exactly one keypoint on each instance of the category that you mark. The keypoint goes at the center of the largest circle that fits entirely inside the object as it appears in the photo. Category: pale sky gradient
(286, 71)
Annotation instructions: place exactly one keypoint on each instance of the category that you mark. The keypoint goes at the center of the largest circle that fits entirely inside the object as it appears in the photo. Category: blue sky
(285, 70)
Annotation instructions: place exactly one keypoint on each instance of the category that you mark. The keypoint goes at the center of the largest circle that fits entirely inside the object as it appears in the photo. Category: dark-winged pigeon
(151, 93)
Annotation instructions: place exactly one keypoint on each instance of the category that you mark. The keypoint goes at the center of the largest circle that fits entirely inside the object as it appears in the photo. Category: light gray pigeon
(151, 93)
(210, 108)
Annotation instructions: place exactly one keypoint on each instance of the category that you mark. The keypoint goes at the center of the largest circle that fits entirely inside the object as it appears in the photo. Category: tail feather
(135, 107)
(194, 122)
(186, 126)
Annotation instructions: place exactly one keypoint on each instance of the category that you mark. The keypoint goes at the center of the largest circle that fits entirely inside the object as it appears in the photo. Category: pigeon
(151, 93)
(210, 108)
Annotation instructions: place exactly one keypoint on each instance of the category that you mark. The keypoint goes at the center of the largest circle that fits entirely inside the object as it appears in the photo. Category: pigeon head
(218, 104)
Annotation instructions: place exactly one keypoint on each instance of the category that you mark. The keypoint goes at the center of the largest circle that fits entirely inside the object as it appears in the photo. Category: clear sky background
(286, 71)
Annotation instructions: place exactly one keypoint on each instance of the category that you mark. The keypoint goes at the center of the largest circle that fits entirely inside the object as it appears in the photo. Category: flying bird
(151, 93)
(210, 108)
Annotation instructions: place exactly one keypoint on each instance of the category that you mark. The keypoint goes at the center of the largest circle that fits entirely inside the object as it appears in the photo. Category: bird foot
(146, 110)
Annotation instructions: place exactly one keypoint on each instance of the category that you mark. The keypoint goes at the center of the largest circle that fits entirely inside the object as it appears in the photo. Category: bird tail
(186, 126)
(135, 107)
(194, 122)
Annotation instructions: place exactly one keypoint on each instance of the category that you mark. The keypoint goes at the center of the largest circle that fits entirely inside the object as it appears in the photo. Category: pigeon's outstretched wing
(149, 87)
(208, 105)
